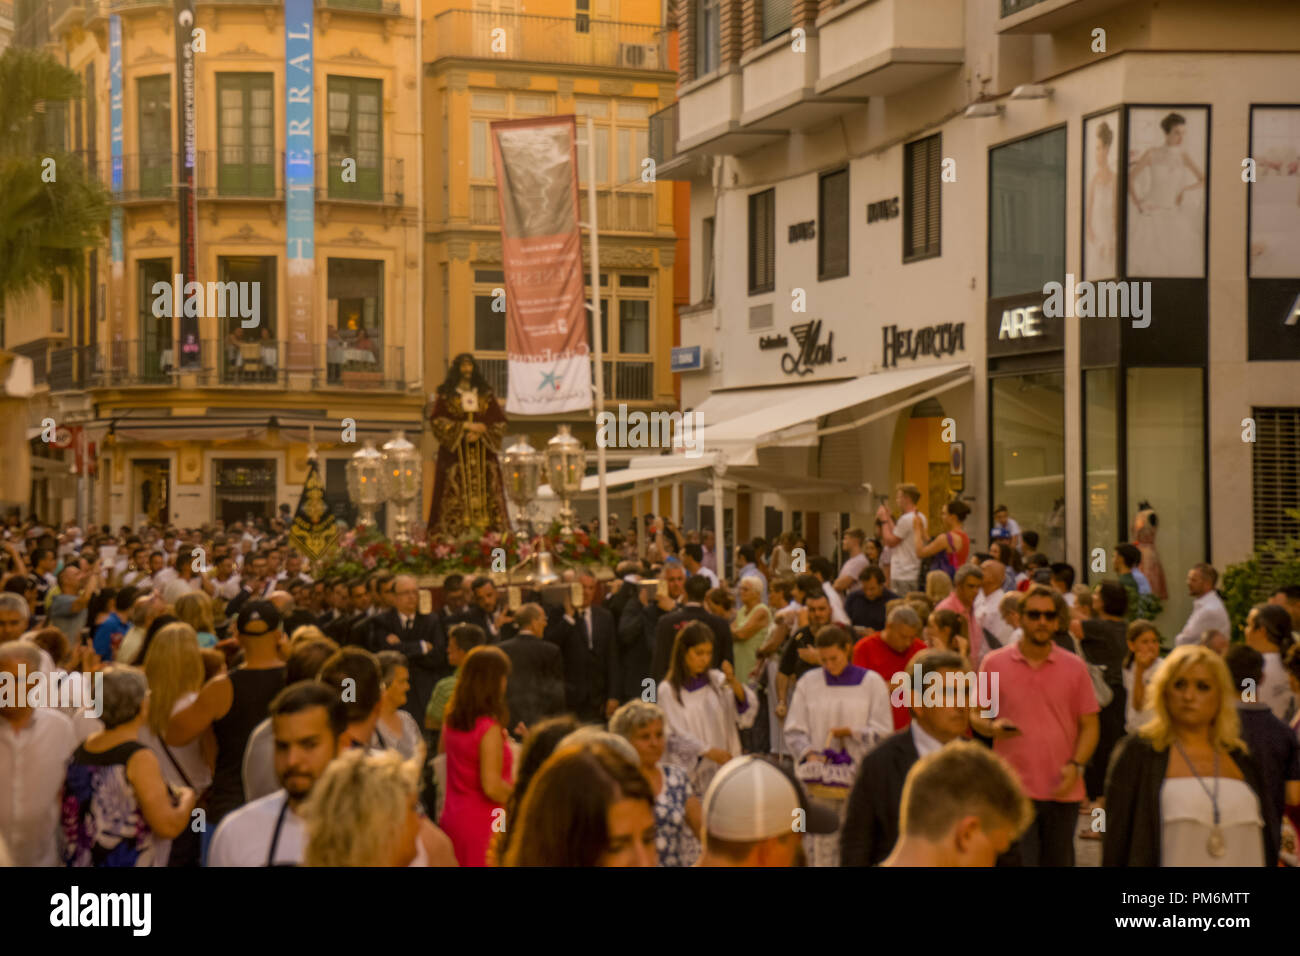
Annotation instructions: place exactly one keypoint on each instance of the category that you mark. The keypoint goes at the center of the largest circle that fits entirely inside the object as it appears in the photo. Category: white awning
(644, 469)
(792, 416)
(726, 405)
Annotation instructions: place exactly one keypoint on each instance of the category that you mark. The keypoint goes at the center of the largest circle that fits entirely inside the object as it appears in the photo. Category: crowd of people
(918, 700)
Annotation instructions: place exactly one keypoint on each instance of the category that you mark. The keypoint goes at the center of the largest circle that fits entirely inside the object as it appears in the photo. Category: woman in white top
(1140, 665)
(839, 712)
(706, 708)
(396, 729)
(174, 669)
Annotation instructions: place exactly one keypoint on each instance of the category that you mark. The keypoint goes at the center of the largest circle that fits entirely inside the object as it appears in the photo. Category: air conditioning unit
(641, 56)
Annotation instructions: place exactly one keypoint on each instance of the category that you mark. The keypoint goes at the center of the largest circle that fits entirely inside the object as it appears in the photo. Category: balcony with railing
(379, 184)
(618, 210)
(350, 366)
(379, 8)
(625, 380)
(149, 362)
(34, 29)
(1048, 16)
(39, 352)
(514, 38)
(239, 174)
(65, 14)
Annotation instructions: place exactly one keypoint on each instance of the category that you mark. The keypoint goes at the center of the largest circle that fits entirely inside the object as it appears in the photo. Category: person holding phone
(1046, 726)
(68, 608)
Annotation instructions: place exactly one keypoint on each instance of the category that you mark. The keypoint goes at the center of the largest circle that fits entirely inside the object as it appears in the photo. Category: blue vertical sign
(117, 257)
(299, 180)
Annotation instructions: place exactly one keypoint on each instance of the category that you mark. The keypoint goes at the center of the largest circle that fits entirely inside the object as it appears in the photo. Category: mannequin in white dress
(1167, 238)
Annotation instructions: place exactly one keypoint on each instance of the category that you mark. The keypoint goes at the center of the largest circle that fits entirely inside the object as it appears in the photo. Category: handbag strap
(172, 758)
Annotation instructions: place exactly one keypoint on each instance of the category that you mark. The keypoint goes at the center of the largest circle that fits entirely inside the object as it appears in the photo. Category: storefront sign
(773, 342)
(1273, 319)
(1026, 323)
(884, 209)
(803, 230)
(936, 340)
(687, 358)
(811, 350)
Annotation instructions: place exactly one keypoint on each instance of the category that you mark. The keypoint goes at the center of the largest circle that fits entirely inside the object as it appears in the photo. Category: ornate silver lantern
(365, 471)
(521, 467)
(402, 481)
(566, 463)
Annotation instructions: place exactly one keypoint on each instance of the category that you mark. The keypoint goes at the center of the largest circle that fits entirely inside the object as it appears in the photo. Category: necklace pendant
(1216, 845)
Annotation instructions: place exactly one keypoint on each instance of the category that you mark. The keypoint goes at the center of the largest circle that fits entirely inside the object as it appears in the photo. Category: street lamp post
(402, 476)
(566, 463)
(364, 473)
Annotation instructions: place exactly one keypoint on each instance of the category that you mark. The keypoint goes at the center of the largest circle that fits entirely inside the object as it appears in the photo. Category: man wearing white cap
(756, 813)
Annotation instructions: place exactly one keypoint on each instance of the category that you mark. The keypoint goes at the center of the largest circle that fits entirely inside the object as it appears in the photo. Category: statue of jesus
(469, 423)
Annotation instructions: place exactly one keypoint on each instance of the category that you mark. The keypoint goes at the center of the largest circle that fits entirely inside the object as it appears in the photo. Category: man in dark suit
(585, 637)
(359, 609)
(419, 636)
(483, 611)
(536, 686)
(380, 586)
(633, 638)
(871, 817)
(697, 585)
(455, 601)
(337, 604)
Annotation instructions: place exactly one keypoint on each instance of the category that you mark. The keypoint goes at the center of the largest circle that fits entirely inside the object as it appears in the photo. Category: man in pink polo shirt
(966, 585)
(1046, 725)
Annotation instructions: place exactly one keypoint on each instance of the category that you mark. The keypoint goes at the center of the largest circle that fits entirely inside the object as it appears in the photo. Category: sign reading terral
(935, 340)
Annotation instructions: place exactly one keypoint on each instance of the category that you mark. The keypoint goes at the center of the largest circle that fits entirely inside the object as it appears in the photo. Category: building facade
(882, 194)
(607, 60)
(302, 169)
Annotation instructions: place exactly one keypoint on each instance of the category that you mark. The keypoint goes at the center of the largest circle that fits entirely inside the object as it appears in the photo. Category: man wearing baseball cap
(235, 703)
(756, 813)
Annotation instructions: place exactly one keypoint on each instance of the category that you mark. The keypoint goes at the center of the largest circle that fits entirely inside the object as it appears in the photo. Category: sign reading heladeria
(541, 249)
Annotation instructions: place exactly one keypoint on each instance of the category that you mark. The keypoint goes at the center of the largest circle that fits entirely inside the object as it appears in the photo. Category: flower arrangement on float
(365, 549)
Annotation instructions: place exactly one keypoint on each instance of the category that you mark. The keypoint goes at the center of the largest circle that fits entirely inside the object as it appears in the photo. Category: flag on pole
(549, 362)
(314, 530)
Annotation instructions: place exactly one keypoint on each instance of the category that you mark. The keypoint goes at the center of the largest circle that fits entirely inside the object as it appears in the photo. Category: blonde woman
(938, 585)
(1183, 791)
(174, 670)
(364, 811)
(195, 609)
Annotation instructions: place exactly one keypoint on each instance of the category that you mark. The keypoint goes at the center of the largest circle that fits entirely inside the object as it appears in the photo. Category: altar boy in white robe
(706, 707)
(839, 712)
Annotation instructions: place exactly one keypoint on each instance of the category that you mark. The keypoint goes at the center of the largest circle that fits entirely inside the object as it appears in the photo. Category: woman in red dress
(479, 760)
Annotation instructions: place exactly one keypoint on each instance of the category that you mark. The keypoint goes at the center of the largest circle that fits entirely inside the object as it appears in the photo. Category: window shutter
(777, 18)
(833, 230)
(1276, 480)
(921, 216)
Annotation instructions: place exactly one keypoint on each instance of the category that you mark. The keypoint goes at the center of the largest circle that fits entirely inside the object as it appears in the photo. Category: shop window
(1027, 215)
(1102, 523)
(1028, 454)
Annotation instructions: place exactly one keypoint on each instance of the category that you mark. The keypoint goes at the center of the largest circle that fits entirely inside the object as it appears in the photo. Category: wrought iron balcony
(577, 41)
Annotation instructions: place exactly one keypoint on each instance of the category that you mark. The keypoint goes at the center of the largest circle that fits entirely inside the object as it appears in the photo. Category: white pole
(719, 543)
(596, 337)
(637, 523)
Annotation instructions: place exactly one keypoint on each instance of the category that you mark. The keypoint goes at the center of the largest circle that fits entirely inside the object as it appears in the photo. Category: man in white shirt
(307, 720)
(905, 564)
(1208, 612)
(825, 572)
(36, 744)
(224, 580)
(693, 560)
(987, 612)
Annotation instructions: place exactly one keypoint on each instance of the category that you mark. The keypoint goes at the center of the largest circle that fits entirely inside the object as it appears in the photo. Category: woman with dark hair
(587, 807)
(469, 424)
(706, 708)
(543, 737)
(1268, 630)
(478, 754)
(947, 630)
(952, 545)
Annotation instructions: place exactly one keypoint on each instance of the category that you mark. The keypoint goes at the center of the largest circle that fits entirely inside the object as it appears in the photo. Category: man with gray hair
(887, 652)
(988, 600)
(36, 744)
(536, 685)
(14, 616)
(968, 581)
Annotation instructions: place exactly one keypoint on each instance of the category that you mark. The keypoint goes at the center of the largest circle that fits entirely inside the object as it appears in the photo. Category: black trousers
(1049, 841)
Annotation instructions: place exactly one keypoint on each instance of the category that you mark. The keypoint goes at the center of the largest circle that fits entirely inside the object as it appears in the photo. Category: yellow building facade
(604, 59)
(225, 434)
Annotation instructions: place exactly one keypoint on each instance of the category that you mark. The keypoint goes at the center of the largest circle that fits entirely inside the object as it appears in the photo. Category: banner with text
(188, 266)
(116, 251)
(299, 181)
(549, 363)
